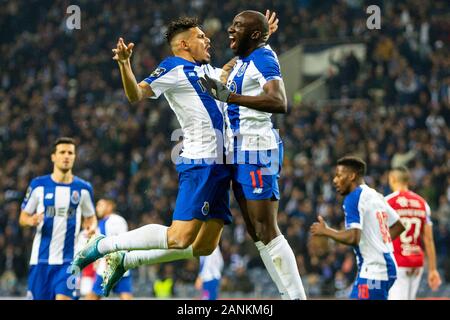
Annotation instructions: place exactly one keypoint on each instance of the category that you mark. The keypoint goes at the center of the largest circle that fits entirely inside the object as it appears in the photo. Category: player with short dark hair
(370, 224)
(55, 204)
(415, 214)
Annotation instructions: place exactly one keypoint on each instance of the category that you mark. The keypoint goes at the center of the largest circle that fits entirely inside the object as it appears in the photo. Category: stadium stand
(392, 106)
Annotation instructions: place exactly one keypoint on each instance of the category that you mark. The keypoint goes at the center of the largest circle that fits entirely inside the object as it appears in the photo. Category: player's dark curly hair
(180, 25)
(354, 163)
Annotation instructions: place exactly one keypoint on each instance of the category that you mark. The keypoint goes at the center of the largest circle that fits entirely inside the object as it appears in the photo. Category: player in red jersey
(409, 248)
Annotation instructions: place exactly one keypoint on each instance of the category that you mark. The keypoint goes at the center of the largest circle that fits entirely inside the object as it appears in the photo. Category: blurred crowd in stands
(391, 108)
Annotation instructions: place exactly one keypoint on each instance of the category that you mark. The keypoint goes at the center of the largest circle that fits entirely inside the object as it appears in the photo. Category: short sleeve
(392, 215)
(31, 200)
(353, 217)
(268, 67)
(87, 201)
(163, 78)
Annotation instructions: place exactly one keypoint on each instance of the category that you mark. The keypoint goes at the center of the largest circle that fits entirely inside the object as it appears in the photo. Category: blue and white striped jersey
(198, 113)
(62, 205)
(367, 210)
(211, 266)
(252, 129)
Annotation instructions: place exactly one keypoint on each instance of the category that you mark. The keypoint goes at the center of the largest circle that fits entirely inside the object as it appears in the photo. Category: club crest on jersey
(205, 208)
(241, 70)
(232, 86)
(158, 71)
(75, 197)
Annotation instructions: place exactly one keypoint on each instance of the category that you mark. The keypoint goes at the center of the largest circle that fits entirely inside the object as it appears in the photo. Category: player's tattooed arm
(349, 237)
(135, 92)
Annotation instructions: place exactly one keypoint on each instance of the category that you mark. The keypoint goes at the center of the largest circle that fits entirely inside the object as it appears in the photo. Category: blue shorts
(46, 281)
(123, 286)
(257, 178)
(203, 192)
(211, 289)
(368, 289)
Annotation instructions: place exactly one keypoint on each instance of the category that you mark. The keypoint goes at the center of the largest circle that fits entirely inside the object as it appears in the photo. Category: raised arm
(135, 92)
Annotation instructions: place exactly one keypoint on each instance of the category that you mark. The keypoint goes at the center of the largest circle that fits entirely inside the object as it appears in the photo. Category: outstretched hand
(215, 88)
(122, 52)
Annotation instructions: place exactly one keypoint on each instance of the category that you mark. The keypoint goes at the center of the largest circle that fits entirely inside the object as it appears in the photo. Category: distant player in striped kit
(409, 248)
(208, 280)
(55, 205)
(110, 224)
(370, 224)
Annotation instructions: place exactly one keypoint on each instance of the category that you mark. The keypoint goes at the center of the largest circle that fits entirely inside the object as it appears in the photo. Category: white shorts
(407, 284)
(86, 285)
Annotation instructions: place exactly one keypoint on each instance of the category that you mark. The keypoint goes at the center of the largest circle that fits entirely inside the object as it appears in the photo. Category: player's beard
(243, 44)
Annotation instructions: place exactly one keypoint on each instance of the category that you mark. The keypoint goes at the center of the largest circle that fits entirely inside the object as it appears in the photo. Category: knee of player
(179, 237)
(265, 233)
(180, 241)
